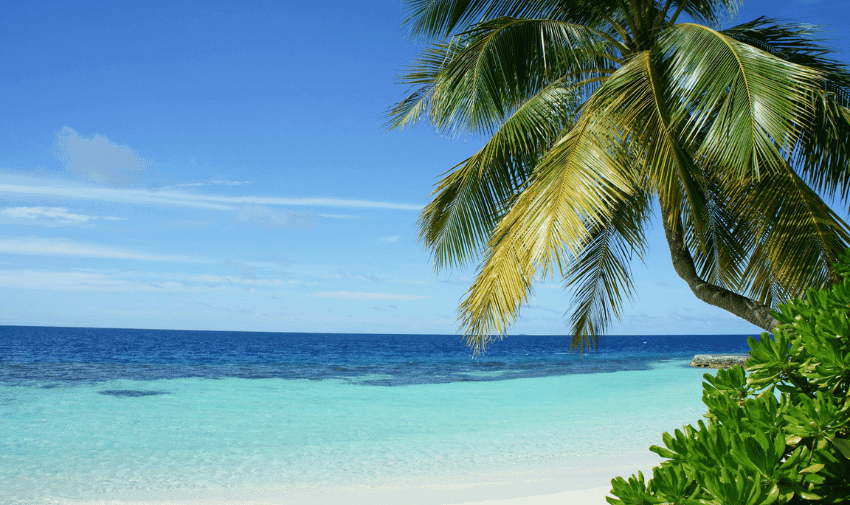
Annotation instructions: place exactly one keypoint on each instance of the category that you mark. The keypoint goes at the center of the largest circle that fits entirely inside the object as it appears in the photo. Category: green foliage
(777, 434)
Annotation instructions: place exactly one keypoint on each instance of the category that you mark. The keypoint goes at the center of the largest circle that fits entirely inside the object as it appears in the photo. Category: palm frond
(822, 154)
(571, 187)
(730, 90)
(442, 18)
(799, 44)
(637, 101)
(711, 12)
(424, 74)
(474, 82)
(759, 279)
(601, 272)
(470, 200)
(721, 254)
(800, 236)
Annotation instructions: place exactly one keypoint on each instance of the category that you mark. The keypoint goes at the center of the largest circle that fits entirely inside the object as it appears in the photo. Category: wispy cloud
(135, 280)
(184, 199)
(191, 223)
(218, 280)
(276, 218)
(219, 182)
(97, 158)
(49, 216)
(37, 246)
(71, 281)
(230, 183)
(115, 195)
(388, 240)
(368, 296)
(340, 216)
(183, 185)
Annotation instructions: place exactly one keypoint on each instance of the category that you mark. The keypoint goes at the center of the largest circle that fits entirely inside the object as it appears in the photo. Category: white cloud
(340, 216)
(329, 202)
(190, 223)
(128, 196)
(275, 218)
(182, 199)
(388, 240)
(367, 296)
(230, 183)
(97, 158)
(196, 184)
(217, 280)
(183, 185)
(68, 281)
(49, 216)
(37, 246)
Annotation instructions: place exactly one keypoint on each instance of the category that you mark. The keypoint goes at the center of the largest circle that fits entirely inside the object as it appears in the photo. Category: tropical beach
(205, 422)
(205, 419)
(424, 252)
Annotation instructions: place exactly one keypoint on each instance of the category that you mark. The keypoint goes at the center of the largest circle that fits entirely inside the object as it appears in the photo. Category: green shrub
(778, 434)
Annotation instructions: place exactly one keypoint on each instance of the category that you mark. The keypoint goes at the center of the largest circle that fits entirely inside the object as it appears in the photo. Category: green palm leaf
(823, 152)
(799, 235)
(795, 43)
(601, 275)
(730, 90)
(570, 190)
(721, 253)
(711, 12)
(441, 18)
(636, 100)
(475, 82)
(470, 201)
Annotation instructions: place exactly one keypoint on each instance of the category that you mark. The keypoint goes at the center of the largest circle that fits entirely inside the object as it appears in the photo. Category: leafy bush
(776, 435)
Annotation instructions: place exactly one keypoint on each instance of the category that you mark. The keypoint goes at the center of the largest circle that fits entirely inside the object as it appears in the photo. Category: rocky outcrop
(719, 360)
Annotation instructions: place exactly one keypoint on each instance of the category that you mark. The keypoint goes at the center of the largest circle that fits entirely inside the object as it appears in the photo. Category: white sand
(576, 488)
(593, 496)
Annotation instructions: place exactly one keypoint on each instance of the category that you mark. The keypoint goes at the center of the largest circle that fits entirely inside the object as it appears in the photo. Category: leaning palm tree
(594, 110)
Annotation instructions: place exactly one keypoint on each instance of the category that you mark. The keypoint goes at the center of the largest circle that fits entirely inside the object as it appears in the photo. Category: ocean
(97, 415)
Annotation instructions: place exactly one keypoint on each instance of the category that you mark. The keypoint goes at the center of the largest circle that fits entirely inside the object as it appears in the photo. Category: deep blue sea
(54, 357)
(94, 415)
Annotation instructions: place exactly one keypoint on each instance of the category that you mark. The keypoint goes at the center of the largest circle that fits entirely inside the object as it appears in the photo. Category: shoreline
(592, 496)
(587, 488)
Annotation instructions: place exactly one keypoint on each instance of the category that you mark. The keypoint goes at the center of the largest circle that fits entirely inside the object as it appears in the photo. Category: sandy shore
(424, 496)
(592, 496)
(585, 485)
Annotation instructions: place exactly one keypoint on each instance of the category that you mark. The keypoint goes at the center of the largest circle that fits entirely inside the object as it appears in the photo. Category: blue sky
(222, 165)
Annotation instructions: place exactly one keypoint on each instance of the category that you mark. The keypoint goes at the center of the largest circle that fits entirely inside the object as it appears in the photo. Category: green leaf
(664, 453)
(772, 495)
(843, 446)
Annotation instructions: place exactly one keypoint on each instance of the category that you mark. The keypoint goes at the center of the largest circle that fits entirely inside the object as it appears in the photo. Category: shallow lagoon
(279, 440)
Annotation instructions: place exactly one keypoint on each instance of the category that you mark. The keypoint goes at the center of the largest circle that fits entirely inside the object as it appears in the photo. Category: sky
(224, 166)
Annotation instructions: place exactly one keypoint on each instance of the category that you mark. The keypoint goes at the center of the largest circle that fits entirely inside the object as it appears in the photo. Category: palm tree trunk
(743, 307)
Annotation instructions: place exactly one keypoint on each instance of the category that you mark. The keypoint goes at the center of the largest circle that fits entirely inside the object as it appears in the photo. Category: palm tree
(593, 110)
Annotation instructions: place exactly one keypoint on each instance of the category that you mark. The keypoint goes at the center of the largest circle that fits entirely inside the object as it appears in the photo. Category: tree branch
(676, 14)
(743, 307)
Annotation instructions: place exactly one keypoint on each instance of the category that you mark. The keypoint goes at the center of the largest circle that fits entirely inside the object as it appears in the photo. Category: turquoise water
(282, 440)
